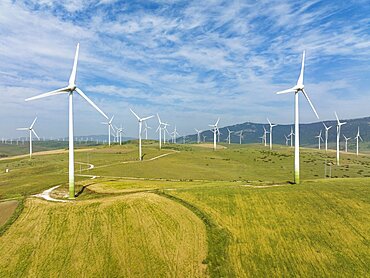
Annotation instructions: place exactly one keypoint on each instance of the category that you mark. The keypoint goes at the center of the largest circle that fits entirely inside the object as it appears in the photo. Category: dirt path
(46, 195)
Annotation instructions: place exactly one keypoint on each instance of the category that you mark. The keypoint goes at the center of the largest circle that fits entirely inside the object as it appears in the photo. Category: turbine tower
(198, 135)
(265, 132)
(346, 142)
(320, 139)
(326, 135)
(31, 130)
(110, 126)
(299, 87)
(70, 89)
(214, 130)
(159, 130)
(271, 127)
(339, 125)
(358, 136)
(140, 120)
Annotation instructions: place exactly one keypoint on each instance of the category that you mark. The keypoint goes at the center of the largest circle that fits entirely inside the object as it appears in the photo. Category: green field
(187, 211)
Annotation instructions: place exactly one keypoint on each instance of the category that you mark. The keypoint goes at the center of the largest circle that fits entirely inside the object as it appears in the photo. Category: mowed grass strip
(137, 235)
(317, 229)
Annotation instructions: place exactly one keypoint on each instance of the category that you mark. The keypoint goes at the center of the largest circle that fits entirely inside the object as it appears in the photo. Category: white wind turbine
(320, 139)
(229, 136)
(140, 120)
(70, 89)
(198, 135)
(299, 87)
(346, 142)
(204, 138)
(240, 134)
(358, 136)
(271, 127)
(326, 135)
(291, 134)
(31, 130)
(174, 133)
(286, 140)
(214, 130)
(146, 127)
(119, 133)
(110, 126)
(339, 125)
(218, 135)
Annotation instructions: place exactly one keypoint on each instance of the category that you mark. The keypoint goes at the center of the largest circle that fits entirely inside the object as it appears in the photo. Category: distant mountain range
(252, 132)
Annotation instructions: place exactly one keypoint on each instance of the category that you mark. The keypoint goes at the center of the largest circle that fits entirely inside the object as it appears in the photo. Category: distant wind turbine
(140, 120)
(240, 134)
(346, 142)
(286, 140)
(229, 136)
(214, 130)
(271, 127)
(291, 134)
(265, 132)
(339, 125)
(31, 130)
(70, 89)
(358, 136)
(159, 130)
(110, 127)
(299, 87)
(174, 134)
(320, 139)
(326, 135)
(146, 127)
(198, 135)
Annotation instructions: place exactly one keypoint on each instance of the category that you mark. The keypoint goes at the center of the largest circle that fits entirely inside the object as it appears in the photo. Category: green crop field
(186, 211)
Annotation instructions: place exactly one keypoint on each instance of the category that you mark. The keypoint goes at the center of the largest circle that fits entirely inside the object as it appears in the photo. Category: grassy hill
(188, 211)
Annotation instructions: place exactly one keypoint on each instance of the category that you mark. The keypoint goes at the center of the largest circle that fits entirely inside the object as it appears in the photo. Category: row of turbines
(72, 88)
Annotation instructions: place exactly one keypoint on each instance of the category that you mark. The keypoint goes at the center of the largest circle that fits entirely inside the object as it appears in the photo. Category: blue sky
(191, 61)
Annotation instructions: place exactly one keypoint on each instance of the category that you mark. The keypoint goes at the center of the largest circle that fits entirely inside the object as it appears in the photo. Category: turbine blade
(300, 79)
(291, 90)
(268, 121)
(111, 119)
(159, 119)
(34, 132)
(33, 123)
(217, 121)
(309, 101)
(51, 93)
(147, 118)
(138, 118)
(23, 128)
(336, 116)
(91, 103)
(72, 78)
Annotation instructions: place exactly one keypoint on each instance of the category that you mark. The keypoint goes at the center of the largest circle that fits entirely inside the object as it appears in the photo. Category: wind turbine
(110, 126)
(320, 139)
(339, 125)
(214, 130)
(229, 136)
(240, 136)
(299, 87)
(159, 129)
(326, 135)
(346, 142)
(70, 89)
(271, 126)
(146, 127)
(218, 135)
(174, 133)
(198, 135)
(286, 140)
(204, 138)
(31, 130)
(164, 132)
(119, 133)
(358, 136)
(140, 120)
(291, 134)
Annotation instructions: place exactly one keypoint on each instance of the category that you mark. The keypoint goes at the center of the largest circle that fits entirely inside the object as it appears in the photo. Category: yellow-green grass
(137, 235)
(320, 228)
